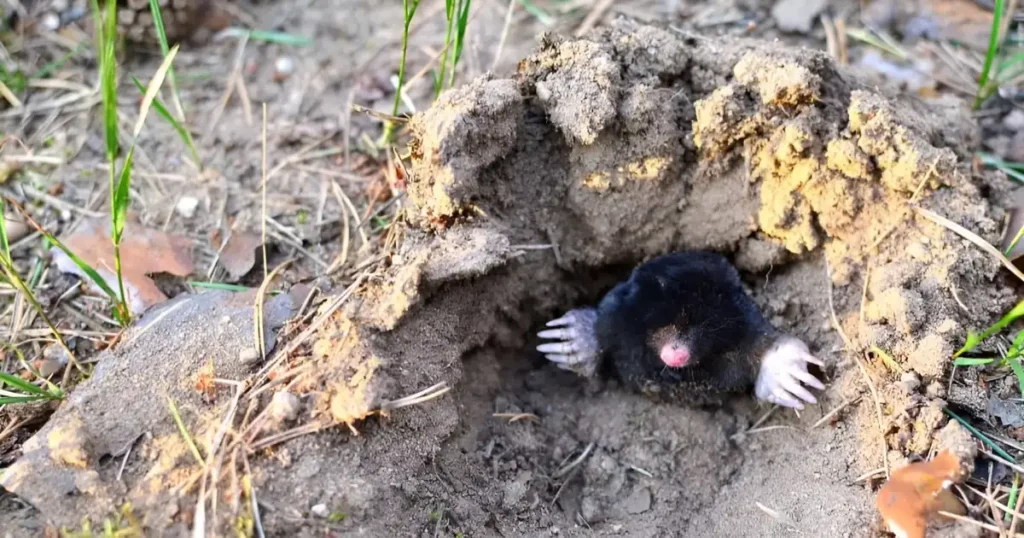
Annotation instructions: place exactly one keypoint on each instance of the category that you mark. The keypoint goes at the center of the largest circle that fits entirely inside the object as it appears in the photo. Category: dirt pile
(532, 194)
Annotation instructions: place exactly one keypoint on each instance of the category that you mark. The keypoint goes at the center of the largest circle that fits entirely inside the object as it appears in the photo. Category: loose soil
(533, 192)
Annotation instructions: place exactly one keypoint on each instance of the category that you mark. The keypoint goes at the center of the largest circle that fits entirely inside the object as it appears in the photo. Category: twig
(572, 465)
(593, 17)
(834, 412)
(973, 238)
(504, 34)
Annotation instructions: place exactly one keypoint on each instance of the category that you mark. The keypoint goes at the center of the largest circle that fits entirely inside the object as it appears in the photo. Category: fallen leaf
(916, 492)
(144, 251)
(239, 255)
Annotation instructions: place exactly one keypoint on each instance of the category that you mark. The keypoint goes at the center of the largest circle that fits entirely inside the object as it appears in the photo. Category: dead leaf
(239, 255)
(144, 251)
(916, 492)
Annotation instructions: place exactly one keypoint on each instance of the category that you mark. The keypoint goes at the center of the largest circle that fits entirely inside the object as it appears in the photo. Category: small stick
(835, 411)
(593, 17)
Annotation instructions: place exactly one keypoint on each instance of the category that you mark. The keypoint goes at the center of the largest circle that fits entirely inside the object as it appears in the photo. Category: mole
(681, 327)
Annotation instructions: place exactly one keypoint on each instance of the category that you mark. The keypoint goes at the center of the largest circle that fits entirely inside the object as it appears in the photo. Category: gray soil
(531, 194)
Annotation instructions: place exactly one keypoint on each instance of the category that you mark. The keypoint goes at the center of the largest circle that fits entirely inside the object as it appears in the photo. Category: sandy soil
(528, 192)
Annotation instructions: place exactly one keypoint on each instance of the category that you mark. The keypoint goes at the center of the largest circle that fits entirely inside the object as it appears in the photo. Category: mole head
(672, 345)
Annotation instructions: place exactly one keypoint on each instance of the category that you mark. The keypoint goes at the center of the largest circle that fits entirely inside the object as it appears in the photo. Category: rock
(186, 206)
(797, 15)
(639, 501)
(320, 510)
(284, 406)
(1014, 120)
(910, 382)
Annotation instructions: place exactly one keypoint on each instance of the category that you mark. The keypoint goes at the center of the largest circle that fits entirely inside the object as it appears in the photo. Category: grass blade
(974, 339)
(964, 361)
(20, 399)
(1018, 371)
(984, 438)
(990, 54)
(106, 32)
(22, 385)
(86, 268)
(154, 88)
(5, 245)
(161, 110)
(269, 36)
(217, 286)
(184, 432)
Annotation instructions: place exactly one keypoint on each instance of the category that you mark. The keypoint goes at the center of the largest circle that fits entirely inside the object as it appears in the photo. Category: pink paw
(784, 373)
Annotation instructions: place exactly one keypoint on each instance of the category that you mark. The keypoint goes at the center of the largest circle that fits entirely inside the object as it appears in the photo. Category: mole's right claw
(574, 346)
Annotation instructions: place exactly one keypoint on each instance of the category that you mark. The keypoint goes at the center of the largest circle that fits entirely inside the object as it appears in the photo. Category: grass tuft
(1012, 356)
(162, 111)
(996, 71)
(457, 17)
(408, 12)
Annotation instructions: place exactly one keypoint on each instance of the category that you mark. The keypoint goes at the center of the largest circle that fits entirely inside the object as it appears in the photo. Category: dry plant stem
(973, 238)
(1016, 512)
(593, 17)
(504, 34)
(861, 367)
(834, 412)
(263, 221)
(261, 295)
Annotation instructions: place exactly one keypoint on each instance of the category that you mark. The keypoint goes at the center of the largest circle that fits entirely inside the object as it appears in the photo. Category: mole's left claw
(783, 369)
(575, 345)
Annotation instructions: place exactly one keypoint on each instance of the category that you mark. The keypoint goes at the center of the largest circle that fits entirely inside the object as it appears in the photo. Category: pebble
(16, 227)
(187, 206)
(1014, 120)
(910, 382)
(284, 406)
(249, 355)
(284, 66)
(797, 15)
(320, 510)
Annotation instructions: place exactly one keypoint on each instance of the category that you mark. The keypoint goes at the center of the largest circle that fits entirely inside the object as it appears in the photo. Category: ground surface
(520, 195)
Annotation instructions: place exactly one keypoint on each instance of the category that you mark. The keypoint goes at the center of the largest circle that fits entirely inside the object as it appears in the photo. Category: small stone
(935, 389)
(639, 501)
(320, 510)
(249, 355)
(797, 15)
(187, 206)
(54, 359)
(1014, 120)
(284, 66)
(50, 21)
(284, 406)
(910, 382)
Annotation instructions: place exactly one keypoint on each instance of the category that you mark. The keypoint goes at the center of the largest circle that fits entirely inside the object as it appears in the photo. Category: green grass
(1013, 354)
(120, 179)
(998, 68)
(165, 49)
(15, 390)
(12, 276)
(408, 12)
(456, 14)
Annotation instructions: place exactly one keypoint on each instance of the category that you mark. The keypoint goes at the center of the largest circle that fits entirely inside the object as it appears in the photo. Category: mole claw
(556, 333)
(556, 347)
(809, 379)
(564, 320)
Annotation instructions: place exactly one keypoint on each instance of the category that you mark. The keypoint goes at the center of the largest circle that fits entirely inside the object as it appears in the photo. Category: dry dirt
(533, 193)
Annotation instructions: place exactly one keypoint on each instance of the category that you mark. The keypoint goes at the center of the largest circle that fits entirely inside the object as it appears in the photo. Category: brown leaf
(144, 251)
(239, 255)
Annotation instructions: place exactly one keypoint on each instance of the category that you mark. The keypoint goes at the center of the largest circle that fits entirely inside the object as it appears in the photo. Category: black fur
(701, 293)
